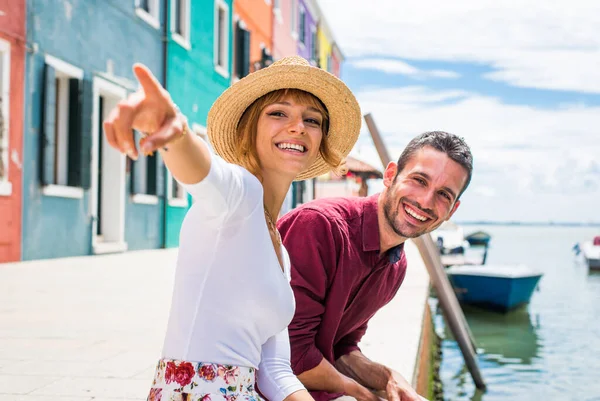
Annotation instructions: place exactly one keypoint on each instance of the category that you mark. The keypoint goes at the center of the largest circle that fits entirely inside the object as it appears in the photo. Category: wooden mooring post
(453, 313)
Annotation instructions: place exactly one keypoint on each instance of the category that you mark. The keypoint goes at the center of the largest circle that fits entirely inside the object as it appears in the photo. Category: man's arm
(326, 377)
(376, 376)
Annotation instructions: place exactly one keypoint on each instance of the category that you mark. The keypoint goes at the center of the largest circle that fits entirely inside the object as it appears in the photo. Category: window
(148, 11)
(221, 38)
(146, 177)
(180, 22)
(66, 129)
(277, 11)
(242, 50)
(314, 48)
(5, 186)
(302, 26)
(294, 18)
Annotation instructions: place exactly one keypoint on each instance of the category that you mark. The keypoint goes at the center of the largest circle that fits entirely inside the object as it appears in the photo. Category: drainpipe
(165, 40)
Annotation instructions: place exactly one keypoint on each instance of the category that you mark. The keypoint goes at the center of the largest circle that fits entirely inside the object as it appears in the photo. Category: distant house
(12, 78)
(285, 28)
(253, 36)
(353, 183)
(81, 196)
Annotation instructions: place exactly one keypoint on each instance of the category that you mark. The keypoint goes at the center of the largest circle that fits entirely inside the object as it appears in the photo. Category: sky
(518, 80)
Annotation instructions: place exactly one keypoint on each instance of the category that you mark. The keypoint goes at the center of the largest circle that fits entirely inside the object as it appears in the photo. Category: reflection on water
(548, 350)
(505, 338)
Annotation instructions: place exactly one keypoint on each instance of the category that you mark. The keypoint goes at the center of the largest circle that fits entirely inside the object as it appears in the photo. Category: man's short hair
(453, 146)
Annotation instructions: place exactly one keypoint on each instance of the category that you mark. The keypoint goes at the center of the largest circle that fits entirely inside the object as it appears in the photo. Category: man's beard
(391, 217)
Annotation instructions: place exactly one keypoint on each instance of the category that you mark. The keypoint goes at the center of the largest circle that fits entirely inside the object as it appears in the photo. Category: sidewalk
(91, 328)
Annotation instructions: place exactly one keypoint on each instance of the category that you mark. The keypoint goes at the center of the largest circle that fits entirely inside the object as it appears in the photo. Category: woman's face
(288, 136)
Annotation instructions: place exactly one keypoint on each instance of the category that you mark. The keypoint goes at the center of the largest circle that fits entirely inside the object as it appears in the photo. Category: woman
(231, 299)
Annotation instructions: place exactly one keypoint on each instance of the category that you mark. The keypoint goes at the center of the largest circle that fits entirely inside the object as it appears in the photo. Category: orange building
(253, 35)
(12, 78)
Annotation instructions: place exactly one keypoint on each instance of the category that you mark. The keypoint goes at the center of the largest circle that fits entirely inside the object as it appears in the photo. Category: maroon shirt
(338, 277)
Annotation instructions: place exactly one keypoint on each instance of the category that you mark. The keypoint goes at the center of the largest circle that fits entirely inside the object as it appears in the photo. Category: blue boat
(496, 287)
(479, 238)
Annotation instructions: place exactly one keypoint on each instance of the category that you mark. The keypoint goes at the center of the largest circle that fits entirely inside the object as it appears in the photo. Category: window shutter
(239, 50)
(86, 100)
(242, 51)
(137, 171)
(151, 174)
(73, 159)
(48, 137)
(246, 54)
(160, 176)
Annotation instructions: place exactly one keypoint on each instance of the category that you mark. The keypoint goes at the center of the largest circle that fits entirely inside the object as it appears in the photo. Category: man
(348, 261)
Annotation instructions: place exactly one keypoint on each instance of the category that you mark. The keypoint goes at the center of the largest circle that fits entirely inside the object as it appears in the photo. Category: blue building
(199, 63)
(80, 196)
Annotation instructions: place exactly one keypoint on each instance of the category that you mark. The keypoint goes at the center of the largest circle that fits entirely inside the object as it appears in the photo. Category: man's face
(424, 194)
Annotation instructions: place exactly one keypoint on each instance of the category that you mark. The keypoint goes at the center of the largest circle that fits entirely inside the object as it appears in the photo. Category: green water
(549, 350)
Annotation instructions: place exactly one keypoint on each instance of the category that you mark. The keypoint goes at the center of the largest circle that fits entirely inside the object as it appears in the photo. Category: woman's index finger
(147, 80)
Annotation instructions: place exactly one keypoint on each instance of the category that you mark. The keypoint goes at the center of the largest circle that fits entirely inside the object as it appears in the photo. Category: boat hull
(591, 253)
(593, 264)
(497, 293)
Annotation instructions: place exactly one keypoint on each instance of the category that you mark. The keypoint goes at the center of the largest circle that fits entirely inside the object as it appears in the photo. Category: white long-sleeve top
(231, 300)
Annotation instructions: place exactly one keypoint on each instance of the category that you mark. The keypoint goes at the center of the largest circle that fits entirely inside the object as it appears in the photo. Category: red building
(12, 78)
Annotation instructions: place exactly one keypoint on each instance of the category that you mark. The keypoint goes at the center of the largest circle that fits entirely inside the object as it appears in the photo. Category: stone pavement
(91, 328)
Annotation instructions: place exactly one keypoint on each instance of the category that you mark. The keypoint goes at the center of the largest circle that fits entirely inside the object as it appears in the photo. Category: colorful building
(63, 190)
(337, 58)
(306, 28)
(199, 60)
(80, 195)
(253, 38)
(12, 78)
(325, 42)
(285, 32)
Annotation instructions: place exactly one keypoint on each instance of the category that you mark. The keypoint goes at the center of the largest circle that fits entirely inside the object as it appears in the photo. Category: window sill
(62, 191)
(222, 71)
(109, 247)
(149, 18)
(144, 199)
(5, 188)
(181, 41)
(178, 202)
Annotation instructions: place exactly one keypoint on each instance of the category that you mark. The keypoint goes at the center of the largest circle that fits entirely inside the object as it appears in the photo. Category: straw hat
(295, 73)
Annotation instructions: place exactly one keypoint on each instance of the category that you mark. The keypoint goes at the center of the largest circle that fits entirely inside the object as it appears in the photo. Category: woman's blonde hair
(247, 128)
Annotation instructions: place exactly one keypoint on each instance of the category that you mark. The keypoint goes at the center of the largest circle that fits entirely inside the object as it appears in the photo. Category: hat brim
(344, 112)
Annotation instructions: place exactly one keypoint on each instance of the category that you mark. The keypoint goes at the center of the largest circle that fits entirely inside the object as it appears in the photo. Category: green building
(198, 60)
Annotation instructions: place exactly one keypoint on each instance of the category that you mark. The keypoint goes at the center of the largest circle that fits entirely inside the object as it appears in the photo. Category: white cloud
(402, 68)
(533, 43)
(528, 162)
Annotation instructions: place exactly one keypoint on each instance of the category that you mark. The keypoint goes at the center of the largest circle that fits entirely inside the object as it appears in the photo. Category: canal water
(549, 350)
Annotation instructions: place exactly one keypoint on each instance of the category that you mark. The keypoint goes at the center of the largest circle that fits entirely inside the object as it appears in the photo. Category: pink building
(285, 20)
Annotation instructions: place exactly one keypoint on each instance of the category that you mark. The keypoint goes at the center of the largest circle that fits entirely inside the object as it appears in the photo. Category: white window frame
(182, 39)
(5, 184)
(151, 18)
(277, 11)
(221, 69)
(294, 19)
(144, 199)
(64, 71)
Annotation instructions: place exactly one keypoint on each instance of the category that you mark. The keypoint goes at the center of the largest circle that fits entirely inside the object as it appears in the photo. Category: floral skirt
(201, 381)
